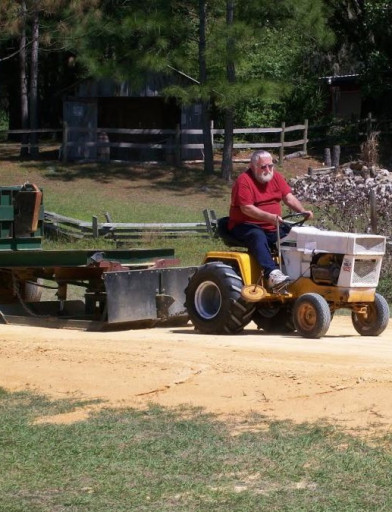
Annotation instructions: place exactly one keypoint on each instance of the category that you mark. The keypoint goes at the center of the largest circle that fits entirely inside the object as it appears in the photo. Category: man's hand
(308, 213)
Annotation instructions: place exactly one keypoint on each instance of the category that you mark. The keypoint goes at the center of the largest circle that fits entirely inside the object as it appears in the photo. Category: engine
(325, 268)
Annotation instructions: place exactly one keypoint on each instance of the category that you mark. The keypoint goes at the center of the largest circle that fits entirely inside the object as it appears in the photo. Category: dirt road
(344, 378)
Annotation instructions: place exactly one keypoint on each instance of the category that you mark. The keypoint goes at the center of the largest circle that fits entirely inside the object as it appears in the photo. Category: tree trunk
(24, 101)
(227, 157)
(34, 83)
(206, 116)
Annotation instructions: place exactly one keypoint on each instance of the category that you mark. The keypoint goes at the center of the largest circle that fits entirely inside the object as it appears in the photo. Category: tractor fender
(246, 266)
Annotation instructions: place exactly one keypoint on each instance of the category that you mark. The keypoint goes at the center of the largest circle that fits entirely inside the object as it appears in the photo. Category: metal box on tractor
(329, 270)
(118, 288)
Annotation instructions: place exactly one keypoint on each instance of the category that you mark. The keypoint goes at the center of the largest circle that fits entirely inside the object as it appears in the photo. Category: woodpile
(343, 196)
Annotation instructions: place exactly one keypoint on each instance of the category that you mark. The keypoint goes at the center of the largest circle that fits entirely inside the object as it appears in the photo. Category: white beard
(265, 178)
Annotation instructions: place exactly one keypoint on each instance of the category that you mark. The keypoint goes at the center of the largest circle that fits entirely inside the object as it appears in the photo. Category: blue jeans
(259, 243)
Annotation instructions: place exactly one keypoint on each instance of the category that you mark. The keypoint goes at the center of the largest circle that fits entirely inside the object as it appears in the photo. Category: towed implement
(329, 270)
(116, 288)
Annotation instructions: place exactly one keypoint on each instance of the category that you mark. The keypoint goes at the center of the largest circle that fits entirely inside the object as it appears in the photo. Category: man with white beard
(256, 211)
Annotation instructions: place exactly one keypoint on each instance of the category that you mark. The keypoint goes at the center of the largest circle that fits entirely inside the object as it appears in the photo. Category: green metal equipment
(133, 287)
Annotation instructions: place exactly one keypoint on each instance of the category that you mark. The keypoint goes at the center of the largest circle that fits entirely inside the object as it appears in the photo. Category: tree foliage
(363, 34)
(275, 50)
(35, 28)
(265, 45)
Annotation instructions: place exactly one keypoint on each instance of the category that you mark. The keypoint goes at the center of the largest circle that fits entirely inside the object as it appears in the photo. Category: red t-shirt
(266, 196)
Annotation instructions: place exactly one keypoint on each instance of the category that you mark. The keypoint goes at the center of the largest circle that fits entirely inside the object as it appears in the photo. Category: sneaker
(277, 278)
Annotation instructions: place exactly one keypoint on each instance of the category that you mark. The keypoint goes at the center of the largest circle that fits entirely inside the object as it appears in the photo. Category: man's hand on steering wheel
(302, 216)
(309, 213)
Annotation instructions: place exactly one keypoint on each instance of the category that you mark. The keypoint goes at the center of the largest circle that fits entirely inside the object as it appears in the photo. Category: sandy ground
(343, 379)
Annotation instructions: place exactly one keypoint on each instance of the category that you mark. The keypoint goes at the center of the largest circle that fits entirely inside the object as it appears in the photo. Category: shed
(98, 106)
(345, 100)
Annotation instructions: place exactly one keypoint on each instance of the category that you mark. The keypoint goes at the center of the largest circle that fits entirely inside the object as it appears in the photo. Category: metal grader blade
(152, 294)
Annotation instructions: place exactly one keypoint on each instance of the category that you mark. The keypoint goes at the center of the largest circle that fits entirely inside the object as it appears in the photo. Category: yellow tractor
(329, 270)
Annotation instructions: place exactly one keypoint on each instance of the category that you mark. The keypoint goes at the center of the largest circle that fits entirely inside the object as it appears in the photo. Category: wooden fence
(98, 143)
(171, 140)
(95, 144)
(51, 138)
(70, 228)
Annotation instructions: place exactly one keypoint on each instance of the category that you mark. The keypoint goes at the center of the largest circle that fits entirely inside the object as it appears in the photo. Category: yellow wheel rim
(253, 293)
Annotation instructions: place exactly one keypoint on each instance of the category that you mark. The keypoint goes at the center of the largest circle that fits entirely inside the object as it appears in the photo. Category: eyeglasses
(267, 166)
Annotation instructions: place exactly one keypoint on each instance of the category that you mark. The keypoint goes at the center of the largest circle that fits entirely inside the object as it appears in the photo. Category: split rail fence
(119, 232)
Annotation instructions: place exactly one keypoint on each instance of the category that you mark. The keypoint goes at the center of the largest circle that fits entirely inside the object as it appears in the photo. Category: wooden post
(65, 142)
(335, 160)
(369, 124)
(95, 226)
(327, 157)
(212, 134)
(373, 211)
(177, 143)
(281, 149)
(94, 138)
(305, 146)
(88, 149)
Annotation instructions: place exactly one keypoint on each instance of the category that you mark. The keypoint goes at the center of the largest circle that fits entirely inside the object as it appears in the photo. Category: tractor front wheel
(311, 315)
(375, 320)
(214, 302)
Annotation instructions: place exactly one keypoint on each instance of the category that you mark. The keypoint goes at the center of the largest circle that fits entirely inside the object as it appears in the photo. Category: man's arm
(295, 204)
(255, 213)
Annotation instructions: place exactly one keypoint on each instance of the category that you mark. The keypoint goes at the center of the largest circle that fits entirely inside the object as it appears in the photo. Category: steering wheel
(302, 218)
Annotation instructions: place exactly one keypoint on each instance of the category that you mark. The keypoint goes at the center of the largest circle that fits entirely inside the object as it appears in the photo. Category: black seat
(223, 232)
(218, 228)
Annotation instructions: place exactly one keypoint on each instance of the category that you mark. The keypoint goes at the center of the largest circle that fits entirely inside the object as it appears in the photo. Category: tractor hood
(313, 240)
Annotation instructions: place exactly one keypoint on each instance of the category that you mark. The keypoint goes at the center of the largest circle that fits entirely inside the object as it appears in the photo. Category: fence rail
(172, 145)
(68, 227)
(95, 144)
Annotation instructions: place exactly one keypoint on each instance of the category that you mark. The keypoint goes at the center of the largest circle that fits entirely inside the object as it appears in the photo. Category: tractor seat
(224, 234)
(222, 231)
(218, 228)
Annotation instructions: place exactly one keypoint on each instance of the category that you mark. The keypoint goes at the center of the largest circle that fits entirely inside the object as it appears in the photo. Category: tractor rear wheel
(375, 320)
(213, 300)
(311, 315)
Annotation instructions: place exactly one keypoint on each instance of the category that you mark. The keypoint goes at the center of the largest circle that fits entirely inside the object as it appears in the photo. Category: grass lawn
(130, 193)
(183, 459)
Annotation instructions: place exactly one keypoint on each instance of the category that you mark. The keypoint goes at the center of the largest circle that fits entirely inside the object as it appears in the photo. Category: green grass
(183, 459)
(130, 193)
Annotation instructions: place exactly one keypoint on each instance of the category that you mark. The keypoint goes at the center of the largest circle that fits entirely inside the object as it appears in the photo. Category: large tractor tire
(311, 315)
(275, 320)
(376, 319)
(213, 300)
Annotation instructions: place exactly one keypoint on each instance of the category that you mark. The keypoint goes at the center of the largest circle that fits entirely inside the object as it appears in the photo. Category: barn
(100, 112)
